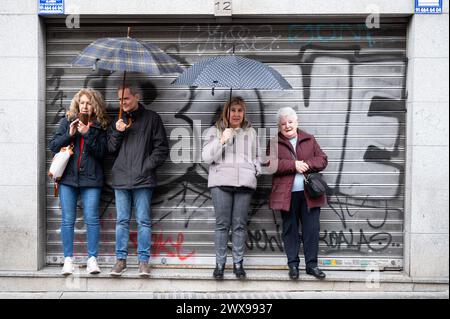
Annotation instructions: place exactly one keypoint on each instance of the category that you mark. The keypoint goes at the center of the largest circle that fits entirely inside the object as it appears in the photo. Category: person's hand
(121, 126)
(83, 129)
(226, 135)
(73, 127)
(301, 166)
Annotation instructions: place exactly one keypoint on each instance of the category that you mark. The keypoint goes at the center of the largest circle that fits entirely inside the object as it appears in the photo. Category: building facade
(370, 81)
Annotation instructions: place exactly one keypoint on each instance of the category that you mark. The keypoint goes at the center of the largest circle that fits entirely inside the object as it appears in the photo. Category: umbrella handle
(121, 106)
(121, 102)
(123, 92)
(130, 121)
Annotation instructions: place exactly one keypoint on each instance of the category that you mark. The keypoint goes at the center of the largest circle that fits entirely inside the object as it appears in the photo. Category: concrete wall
(22, 109)
(427, 205)
(240, 7)
(22, 230)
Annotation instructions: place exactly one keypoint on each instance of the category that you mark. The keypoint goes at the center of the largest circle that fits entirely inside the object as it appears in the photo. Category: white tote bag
(59, 162)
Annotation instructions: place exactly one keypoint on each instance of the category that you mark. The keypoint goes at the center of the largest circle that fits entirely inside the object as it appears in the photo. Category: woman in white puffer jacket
(231, 149)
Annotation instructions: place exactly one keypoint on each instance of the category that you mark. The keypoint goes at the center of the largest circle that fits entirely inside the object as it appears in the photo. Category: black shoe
(293, 272)
(218, 271)
(316, 272)
(238, 270)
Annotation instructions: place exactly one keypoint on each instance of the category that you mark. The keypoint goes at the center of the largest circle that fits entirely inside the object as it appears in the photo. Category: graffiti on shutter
(349, 91)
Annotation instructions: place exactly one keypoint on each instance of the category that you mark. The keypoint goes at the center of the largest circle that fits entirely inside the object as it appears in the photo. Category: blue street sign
(428, 6)
(51, 6)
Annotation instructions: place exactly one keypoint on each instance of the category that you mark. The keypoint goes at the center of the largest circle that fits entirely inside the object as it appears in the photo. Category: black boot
(238, 270)
(316, 272)
(293, 272)
(218, 271)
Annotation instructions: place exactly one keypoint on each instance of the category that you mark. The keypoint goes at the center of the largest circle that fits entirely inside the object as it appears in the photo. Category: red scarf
(81, 151)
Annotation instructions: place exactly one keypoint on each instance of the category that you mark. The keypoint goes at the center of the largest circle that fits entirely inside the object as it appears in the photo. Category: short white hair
(286, 112)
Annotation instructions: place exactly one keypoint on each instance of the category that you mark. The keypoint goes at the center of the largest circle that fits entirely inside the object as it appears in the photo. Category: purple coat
(283, 162)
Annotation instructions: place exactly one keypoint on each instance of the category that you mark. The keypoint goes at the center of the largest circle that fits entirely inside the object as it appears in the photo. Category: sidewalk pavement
(224, 295)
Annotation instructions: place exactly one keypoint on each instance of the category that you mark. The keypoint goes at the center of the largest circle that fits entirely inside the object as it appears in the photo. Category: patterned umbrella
(127, 55)
(232, 71)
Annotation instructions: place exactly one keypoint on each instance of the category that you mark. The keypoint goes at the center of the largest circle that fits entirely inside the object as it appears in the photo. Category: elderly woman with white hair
(295, 153)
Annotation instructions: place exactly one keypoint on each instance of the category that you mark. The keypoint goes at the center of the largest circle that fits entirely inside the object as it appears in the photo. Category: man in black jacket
(140, 149)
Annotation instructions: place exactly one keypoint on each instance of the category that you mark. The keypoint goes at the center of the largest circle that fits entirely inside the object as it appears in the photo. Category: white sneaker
(92, 266)
(68, 267)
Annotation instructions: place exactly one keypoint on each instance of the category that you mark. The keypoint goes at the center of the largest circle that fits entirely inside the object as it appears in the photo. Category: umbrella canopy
(232, 71)
(127, 55)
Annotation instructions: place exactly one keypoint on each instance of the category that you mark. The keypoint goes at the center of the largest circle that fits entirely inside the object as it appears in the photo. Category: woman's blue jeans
(141, 198)
(90, 199)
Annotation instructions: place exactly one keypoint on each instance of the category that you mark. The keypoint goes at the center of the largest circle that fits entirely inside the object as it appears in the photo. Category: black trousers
(310, 228)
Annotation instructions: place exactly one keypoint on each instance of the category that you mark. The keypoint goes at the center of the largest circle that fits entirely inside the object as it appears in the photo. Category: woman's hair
(98, 103)
(286, 111)
(224, 120)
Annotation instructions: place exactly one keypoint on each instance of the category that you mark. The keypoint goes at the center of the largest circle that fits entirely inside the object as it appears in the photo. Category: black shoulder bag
(313, 182)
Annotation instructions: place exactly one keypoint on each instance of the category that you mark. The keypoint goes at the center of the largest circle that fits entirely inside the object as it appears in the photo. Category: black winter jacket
(140, 149)
(95, 148)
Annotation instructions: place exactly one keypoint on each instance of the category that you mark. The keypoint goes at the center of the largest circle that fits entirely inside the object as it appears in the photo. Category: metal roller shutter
(349, 90)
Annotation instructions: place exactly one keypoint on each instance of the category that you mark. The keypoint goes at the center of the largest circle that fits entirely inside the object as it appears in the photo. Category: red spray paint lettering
(168, 247)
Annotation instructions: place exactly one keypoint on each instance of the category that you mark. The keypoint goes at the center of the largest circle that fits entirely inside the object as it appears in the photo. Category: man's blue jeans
(90, 199)
(141, 199)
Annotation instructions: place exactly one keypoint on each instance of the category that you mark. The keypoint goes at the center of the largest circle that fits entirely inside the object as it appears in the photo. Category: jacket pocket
(90, 170)
(223, 174)
(280, 189)
(247, 175)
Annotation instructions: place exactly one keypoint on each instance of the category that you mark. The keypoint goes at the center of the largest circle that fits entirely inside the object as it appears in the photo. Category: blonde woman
(84, 126)
(231, 149)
